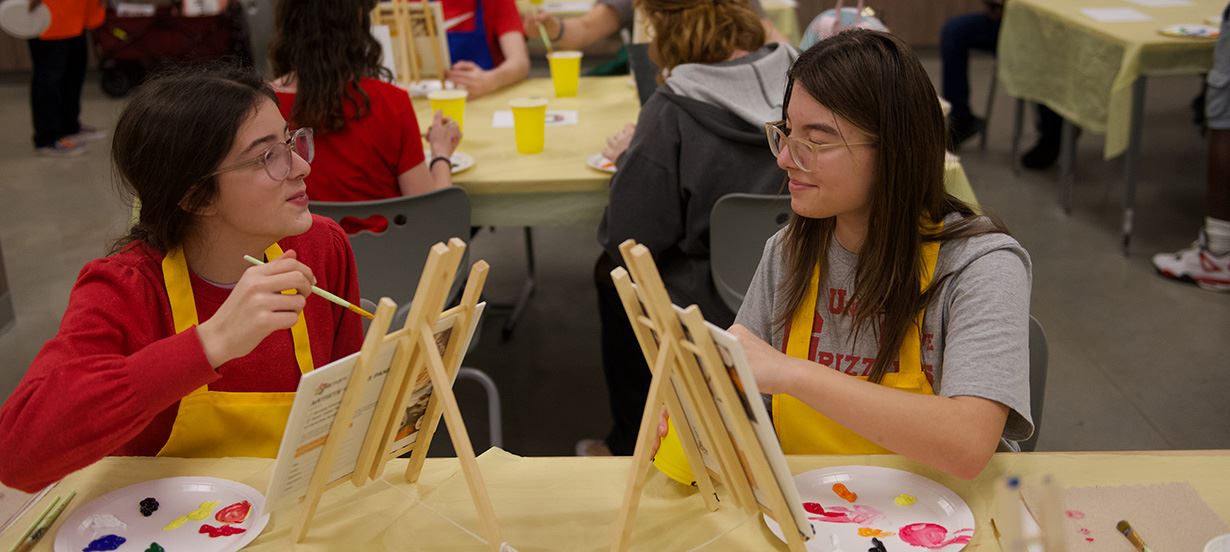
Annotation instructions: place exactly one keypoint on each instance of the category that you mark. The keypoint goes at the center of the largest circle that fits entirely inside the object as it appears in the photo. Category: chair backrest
(739, 225)
(390, 262)
(1038, 359)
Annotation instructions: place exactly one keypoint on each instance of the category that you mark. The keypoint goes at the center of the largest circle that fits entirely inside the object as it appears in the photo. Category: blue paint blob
(105, 543)
(1014, 482)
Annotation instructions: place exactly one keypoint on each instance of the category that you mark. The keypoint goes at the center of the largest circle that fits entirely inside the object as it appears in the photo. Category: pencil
(328, 296)
(44, 523)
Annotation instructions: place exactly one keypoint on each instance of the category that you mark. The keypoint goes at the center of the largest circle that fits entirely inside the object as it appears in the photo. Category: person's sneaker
(960, 130)
(593, 447)
(1197, 265)
(88, 134)
(1042, 155)
(63, 147)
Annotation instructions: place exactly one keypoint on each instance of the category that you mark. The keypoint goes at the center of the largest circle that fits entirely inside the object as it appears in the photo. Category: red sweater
(110, 381)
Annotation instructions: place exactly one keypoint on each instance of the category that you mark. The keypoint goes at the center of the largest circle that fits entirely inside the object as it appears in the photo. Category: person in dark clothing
(58, 58)
(698, 137)
(980, 31)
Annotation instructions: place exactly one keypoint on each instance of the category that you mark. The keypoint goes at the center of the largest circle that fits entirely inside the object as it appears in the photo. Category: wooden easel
(678, 364)
(403, 18)
(416, 351)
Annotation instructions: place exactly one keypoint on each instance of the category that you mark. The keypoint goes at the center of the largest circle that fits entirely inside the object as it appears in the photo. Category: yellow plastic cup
(565, 72)
(452, 103)
(670, 458)
(529, 123)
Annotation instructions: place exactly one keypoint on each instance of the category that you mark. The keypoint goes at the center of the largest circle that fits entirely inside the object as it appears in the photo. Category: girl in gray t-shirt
(883, 276)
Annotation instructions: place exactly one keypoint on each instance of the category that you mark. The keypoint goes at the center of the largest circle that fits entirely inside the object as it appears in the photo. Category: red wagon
(130, 46)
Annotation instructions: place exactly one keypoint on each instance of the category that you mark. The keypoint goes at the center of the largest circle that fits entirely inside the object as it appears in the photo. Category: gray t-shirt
(624, 9)
(975, 332)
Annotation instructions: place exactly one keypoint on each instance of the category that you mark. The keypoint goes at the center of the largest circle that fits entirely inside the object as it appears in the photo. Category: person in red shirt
(173, 345)
(368, 144)
(487, 44)
(58, 58)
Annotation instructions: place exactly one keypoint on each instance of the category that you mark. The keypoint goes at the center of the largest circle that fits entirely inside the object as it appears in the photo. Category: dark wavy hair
(328, 46)
(177, 129)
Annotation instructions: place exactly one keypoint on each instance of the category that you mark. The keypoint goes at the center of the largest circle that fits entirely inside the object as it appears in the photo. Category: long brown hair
(875, 82)
(700, 31)
(328, 45)
(174, 133)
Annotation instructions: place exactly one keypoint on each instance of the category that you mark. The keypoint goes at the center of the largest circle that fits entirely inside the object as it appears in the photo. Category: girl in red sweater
(173, 345)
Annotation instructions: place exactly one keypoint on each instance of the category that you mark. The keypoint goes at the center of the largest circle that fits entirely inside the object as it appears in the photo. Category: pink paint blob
(1075, 514)
(931, 536)
(861, 515)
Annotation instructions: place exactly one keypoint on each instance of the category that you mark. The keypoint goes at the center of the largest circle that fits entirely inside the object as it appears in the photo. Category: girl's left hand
(771, 368)
(473, 78)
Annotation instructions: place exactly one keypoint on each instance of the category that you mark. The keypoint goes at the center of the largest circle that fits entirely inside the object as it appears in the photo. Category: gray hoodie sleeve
(646, 201)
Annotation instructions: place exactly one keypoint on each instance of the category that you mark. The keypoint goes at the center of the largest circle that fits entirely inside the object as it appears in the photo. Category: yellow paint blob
(871, 532)
(203, 511)
(200, 513)
(905, 500)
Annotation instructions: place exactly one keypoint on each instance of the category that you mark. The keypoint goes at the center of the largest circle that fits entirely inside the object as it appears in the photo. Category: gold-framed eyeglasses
(278, 160)
(804, 153)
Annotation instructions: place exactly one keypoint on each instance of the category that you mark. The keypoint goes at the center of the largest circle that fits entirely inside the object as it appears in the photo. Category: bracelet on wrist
(439, 158)
(560, 34)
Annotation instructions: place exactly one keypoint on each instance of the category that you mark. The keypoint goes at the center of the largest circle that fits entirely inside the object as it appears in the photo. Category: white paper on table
(14, 503)
(1163, 3)
(504, 118)
(1115, 15)
(567, 7)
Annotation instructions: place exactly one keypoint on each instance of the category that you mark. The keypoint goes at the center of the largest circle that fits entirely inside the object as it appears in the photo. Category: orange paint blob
(870, 532)
(846, 494)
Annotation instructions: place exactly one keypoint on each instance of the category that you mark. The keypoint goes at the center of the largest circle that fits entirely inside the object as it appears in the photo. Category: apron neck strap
(799, 331)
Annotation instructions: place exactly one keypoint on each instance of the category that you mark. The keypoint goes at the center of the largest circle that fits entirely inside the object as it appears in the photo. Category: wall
(917, 22)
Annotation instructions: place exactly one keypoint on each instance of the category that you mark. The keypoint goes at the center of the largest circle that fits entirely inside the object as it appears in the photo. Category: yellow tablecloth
(556, 187)
(1052, 53)
(570, 503)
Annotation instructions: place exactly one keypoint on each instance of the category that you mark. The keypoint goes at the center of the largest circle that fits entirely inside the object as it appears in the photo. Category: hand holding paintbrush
(258, 306)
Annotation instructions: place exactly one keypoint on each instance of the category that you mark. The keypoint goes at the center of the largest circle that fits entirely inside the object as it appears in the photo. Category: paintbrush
(1132, 536)
(328, 296)
(542, 31)
(43, 524)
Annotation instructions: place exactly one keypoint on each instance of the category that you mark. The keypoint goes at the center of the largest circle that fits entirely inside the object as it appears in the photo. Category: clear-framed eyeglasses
(278, 160)
(804, 153)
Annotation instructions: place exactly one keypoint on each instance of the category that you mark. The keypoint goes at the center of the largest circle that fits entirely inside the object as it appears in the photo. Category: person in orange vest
(59, 59)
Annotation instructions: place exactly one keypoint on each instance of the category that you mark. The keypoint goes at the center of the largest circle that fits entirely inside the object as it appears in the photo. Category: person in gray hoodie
(699, 136)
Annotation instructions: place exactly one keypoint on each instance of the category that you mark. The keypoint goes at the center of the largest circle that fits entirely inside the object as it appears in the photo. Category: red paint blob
(814, 507)
(1075, 514)
(223, 531)
(861, 515)
(235, 513)
(930, 536)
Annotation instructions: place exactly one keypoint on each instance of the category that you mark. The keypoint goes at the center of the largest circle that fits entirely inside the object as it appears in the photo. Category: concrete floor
(1136, 362)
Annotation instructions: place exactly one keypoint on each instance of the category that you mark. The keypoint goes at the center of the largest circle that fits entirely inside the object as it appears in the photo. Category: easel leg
(642, 461)
(442, 387)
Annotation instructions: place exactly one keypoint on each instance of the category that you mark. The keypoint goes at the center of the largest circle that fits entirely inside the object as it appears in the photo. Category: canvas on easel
(362, 418)
(714, 406)
(417, 38)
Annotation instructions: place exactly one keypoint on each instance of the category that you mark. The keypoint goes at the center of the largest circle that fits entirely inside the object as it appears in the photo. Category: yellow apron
(802, 430)
(215, 424)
